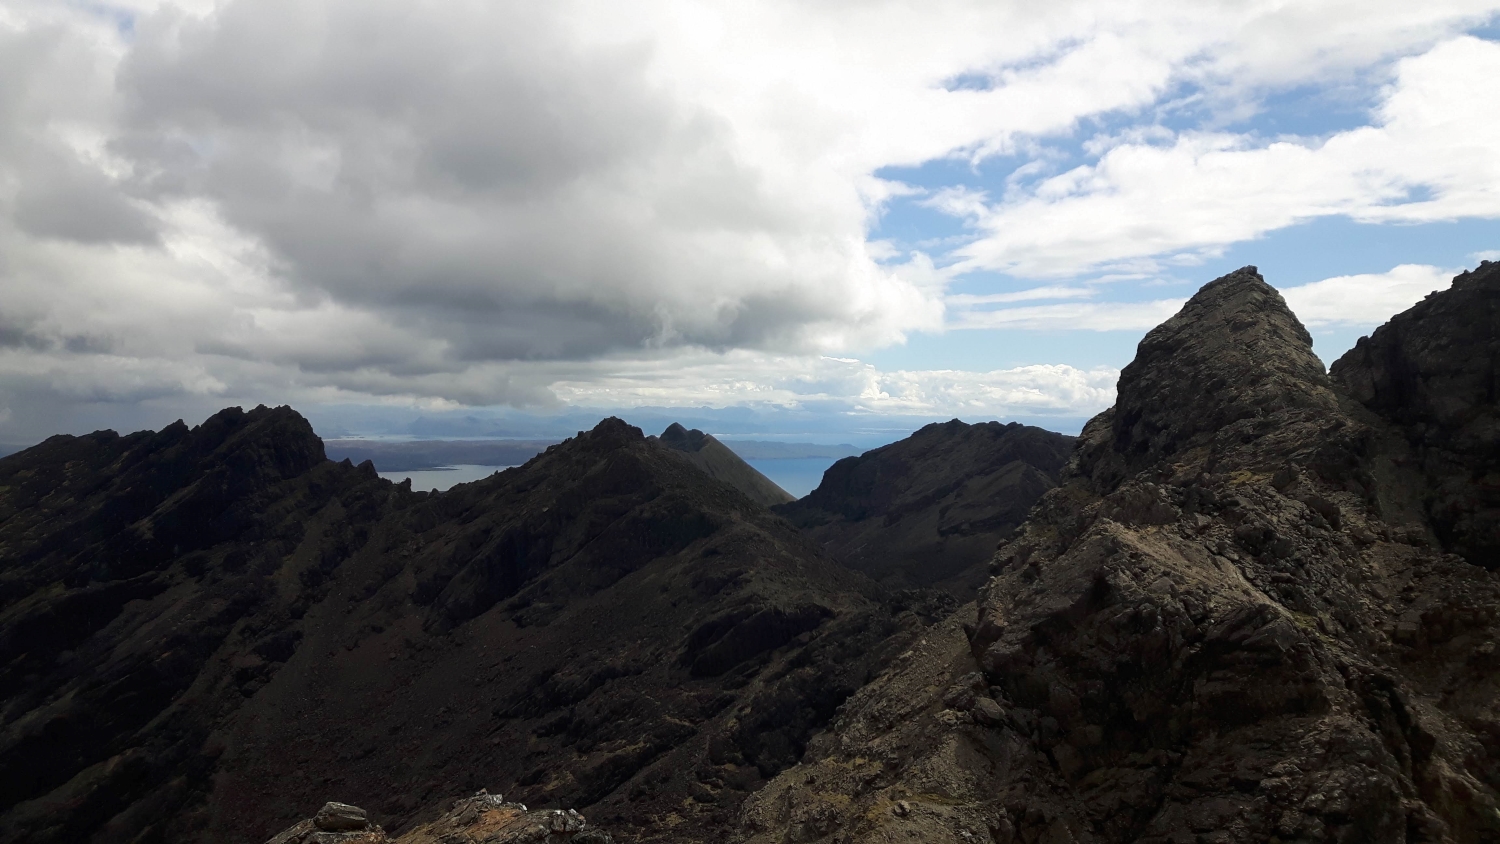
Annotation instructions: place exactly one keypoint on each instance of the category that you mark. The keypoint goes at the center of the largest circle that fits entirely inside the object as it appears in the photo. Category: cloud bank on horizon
(670, 203)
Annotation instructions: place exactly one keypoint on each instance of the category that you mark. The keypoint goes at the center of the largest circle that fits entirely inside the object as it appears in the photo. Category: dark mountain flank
(1433, 372)
(930, 510)
(1233, 620)
(717, 461)
(1253, 602)
(207, 633)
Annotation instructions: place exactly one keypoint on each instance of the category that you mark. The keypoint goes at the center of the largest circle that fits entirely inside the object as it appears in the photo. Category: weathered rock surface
(201, 630)
(1434, 372)
(482, 819)
(341, 817)
(1230, 622)
(335, 823)
(718, 461)
(930, 510)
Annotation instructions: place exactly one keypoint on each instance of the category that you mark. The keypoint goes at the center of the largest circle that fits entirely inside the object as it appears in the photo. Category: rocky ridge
(1235, 619)
(718, 461)
(202, 630)
(929, 510)
(1258, 605)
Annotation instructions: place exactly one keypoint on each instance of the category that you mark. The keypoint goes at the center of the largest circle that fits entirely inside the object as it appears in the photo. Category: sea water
(444, 477)
(796, 475)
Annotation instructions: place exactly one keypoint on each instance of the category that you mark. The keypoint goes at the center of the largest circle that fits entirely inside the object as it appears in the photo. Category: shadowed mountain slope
(930, 510)
(1231, 621)
(1434, 373)
(718, 461)
(206, 633)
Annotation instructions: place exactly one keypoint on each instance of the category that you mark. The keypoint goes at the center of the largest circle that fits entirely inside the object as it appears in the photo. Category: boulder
(341, 817)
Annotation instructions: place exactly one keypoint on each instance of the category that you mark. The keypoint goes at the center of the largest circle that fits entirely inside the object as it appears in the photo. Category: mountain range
(1253, 601)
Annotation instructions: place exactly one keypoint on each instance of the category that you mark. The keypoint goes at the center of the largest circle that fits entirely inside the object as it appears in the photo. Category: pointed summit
(1216, 373)
(720, 462)
(682, 439)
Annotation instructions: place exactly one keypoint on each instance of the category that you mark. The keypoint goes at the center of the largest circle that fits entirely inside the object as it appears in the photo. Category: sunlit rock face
(1233, 620)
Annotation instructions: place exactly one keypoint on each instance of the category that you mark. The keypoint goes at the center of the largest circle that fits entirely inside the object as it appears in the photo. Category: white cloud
(1434, 154)
(1365, 300)
(484, 203)
(966, 300)
(1081, 316)
(847, 385)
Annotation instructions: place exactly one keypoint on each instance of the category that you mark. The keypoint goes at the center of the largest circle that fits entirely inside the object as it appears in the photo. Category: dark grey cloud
(22, 334)
(262, 201)
(482, 176)
(518, 203)
(45, 74)
(68, 199)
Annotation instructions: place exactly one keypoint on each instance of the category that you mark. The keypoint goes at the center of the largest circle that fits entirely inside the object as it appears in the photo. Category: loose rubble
(481, 819)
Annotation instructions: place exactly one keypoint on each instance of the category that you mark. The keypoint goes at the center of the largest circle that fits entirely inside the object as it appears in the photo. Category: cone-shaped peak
(717, 460)
(1234, 354)
(680, 438)
(1239, 301)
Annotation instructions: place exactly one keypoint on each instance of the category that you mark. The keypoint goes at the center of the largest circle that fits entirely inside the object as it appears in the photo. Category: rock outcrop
(201, 630)
(718, 461)
(930, 510)
(1230, 622)
(482, 819)
(335, 823)
(1434, 373)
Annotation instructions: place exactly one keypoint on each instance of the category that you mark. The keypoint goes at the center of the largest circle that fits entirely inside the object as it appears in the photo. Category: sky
(816, 216)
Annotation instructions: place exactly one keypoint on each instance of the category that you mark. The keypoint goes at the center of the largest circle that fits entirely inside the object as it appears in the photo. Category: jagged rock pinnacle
(1234, 357)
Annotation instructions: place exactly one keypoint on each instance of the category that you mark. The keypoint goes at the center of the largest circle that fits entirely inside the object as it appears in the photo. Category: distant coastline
(439, 455)
(434, 455)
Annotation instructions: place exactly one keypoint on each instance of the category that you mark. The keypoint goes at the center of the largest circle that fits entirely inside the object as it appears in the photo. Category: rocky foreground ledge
(482, 819)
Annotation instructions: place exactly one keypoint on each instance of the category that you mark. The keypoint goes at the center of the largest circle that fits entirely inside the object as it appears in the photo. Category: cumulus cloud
(1078, 316)
(1368, 299)
(1363, 300)
(1427, 157)
(841, 384)
(524, 203)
